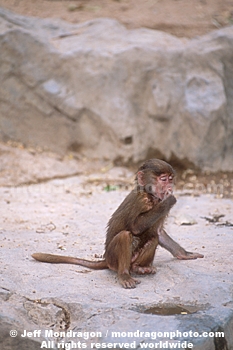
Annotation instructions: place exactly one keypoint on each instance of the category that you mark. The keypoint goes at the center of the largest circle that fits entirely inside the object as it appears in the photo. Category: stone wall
(107, 92)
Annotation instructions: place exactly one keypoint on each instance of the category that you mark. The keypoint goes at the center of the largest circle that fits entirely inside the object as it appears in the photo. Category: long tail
(60, 259)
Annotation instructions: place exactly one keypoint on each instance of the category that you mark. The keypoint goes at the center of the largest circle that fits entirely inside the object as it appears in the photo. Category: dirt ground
(35, 166)
(178, 17)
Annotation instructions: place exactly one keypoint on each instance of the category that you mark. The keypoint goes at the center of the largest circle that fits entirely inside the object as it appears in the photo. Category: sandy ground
(62, 206)
(65, 204)
(68, 217)
(178, 17)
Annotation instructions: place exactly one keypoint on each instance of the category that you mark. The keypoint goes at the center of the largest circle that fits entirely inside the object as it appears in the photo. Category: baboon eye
(163, 178)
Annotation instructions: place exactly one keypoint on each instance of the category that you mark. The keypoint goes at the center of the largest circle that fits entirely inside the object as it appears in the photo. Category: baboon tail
(60, 259)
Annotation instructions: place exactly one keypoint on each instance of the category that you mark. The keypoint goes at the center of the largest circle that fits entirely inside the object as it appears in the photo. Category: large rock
(105, 91)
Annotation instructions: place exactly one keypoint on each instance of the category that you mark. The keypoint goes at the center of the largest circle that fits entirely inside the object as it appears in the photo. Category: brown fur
(136, 227)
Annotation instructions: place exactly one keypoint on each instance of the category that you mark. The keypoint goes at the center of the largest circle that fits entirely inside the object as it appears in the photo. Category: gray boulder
(104, 91)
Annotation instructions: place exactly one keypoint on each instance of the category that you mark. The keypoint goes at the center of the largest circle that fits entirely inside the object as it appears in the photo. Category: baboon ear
(140, 178)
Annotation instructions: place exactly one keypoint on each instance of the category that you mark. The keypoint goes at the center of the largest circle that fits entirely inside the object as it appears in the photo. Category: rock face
(104, 91)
